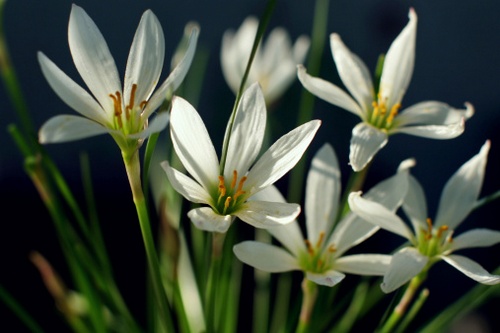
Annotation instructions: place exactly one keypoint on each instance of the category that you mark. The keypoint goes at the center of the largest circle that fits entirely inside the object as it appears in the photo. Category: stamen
(428, 234)
(240, 191)
(235, 178)
(226, 204)
(222, 187)
(130, 105)
(394, 112)
(449, 238)
(143, 104)
(117, 105)
(332, 248)
(441, 229)
(320, 239)
(310, 249)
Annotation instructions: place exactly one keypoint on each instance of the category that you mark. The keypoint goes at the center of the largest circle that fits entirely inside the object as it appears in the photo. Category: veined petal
(414, 205)
(398, 64)
(266, 257)
(476, 238)
(433, 113)
(145, 59)
(281, 156)
(366, 141)
(442, 132)
(263, 214)
(206, 219)
(187, 187)
(92, 57)
(64, 128)
(247, 132)
(157, 124)
(70, 92)
(377, 214)
(364, 264)
(230, 63)
(353, 73)
(192, 143)
(405, 265)
(462, 190)
(328, 278)
(328, 92)
(322, 193)
(349, 232)
(472, 269)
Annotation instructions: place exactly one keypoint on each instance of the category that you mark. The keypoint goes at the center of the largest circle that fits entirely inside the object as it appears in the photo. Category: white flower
(431, 242)
(122, 113)
(274, 64)
(379, 110)
(227, 194)
(320, 256)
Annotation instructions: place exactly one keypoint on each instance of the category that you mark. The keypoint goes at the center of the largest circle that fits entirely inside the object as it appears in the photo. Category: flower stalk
(309, 296)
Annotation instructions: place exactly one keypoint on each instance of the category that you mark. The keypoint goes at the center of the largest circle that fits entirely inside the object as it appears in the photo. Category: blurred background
(457, 61)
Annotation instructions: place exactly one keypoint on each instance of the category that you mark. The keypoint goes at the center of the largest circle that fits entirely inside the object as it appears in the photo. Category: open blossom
(227, 193)
(434, 241)
(123, 113)
(321, 256)
(274, 64)
(380, 110)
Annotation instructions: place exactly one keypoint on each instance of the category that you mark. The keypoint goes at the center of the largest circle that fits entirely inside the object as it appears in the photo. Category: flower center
(381, 116)
(230, 198)
(318, 259)
(128, 120)
(432, 242)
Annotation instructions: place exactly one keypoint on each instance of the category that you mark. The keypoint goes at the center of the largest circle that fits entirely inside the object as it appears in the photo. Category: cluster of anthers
(132, 118)
(434, 241)
(380, 116)
(318, 259)
(229, 199)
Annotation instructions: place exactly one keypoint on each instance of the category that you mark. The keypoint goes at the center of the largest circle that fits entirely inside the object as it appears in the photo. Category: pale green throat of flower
(317, 259)
(432, 242)
(229, 199)
(132, 122)
(382, 117)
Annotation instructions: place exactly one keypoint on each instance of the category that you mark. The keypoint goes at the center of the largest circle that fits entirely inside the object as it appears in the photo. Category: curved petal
(442, 132)
(186, 187)
(263, 214)
(206, 219)
(472, 269)
(366, 141)
(156, 125)
(328, 92)
(405, 265)
(433, 113)
(328, 278)
(349, 232)
(414, 205)
(192, 143)
(364, 264)
(64, 128)
(322, 193)
(462, 190)
(300, 49)
(70, 92)
(145, 59)
(266, 257)
(476, 238)
(281, 156)
(353, 73)
(92, 57)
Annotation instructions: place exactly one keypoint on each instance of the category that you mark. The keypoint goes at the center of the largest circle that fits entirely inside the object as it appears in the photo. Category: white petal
(322, 193)
(442, 132)
(364, 264)
(349, 232)
(300, 49)
(206, 219)
(247, 132)
(415, 206)
(265, 257)
(462, 190)
(281, 156)
(472, 269)
(399, 63)
(433, 113)
(70, 92)
(328, 92)
(157, 124)
(92, 57)
(263, 214)
(230, 61)
(377, 214)
(187, 187)
(353, 72)
(192, 143)
(366, 141)
(329, 278)
(476, 238)
(405, 265)
(145, 59)
(64, 128)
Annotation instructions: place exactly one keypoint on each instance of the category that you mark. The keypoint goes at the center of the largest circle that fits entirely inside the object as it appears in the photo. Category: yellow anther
(332, 248)
(222, 187)
(394, 112)
(235, 178)
(320, 239)
(441, 229)
(131, 102)
(310, 249)
(239, 190)
(449, 238)
(226, 204)
(117, 105)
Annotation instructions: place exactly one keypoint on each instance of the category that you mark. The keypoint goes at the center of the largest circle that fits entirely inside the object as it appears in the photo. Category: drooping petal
(322, 193)
(263, 214)
(472, 269)
(328, 92)
(433, 113)
(364, 264)
(414, 205)
(205, 218)
(70, 92)
(442, 132)
(405, 265)
(462, 190)
(92, 57)
(476, 238)
(328, 278)
(281, 156)
(247, 132)
(192, 143)
(186, 187)
(145, 59)
(64, 128)
(366, 141)
(353, 73)
(266, 257)
(398, 64)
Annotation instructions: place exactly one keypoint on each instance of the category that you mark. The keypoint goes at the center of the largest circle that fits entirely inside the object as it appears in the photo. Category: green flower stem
(483, 201)
(352, 313)
(17, 308)
(309, 296)
(261, 293)
(282, 302)
(355, 183)
(132, 166)
(213, 281)
(419, 302)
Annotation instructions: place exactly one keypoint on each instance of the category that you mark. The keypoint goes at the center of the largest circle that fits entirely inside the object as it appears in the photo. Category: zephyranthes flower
(274, 64)
(379, 110)
(433, 241)
(227, 193)
(321, 255)
(122, 113)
